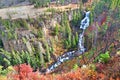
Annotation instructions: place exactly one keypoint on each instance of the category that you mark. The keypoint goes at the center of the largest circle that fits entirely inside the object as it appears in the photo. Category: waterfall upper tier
(85, 22)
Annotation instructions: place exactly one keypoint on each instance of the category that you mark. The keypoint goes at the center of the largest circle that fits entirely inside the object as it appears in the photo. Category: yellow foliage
(10, 68)
(3, 77)
(1, 67)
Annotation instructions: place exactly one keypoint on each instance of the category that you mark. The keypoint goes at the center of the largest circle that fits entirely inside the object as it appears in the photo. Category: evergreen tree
(68, 29)
(76, 17)
(114, 4)
(73, 42)
(56, 30)
(66, 44)
(47, 53)
(76, 37)
(69, 41)
(64, 19)
(40, 54)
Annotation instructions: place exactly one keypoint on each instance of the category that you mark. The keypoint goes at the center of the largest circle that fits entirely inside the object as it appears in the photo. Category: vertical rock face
(3, 37)
(24, 38)
(24, 41)
(16, 44)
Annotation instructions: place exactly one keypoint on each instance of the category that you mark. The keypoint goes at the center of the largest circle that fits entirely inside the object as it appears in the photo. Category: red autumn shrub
(24, 72)
(81, 74)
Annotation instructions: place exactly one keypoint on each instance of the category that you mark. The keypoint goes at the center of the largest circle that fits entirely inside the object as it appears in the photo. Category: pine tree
(76, 17)
(68, 29)
(56, 30)
(73, 42)
(47, 52)
(66, 44)
(76, 37)
(114, 4)
(40, 54)
(64, 19)
(69, 41)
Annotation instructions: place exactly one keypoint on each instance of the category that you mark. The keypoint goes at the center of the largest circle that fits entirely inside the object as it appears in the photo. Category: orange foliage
(23, 72)
(81, 74)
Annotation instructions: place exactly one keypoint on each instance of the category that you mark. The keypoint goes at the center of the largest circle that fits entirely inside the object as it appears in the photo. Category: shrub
(23, 72)
(75, 66)
(6, 71)
(81, 74)
(103, 57)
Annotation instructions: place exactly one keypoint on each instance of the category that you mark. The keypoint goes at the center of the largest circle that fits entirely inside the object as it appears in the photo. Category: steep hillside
(60, 40)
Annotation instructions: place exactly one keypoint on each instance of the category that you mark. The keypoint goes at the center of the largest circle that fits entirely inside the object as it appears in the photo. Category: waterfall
(70, 55)
(84, 24)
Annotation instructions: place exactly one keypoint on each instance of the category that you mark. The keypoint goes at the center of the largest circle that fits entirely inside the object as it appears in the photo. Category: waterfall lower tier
(64, 57)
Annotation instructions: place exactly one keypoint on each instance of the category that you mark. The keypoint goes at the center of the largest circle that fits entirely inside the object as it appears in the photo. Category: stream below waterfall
(70, 55)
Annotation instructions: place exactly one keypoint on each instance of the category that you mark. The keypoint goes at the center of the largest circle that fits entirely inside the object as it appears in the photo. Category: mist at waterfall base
(70, 55)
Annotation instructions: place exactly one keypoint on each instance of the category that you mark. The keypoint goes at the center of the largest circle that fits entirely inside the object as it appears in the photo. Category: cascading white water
(70, 55)
(84, 24)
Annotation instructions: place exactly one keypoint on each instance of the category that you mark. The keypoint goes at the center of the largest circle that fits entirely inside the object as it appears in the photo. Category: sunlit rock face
(70, 55)
(23, 42)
